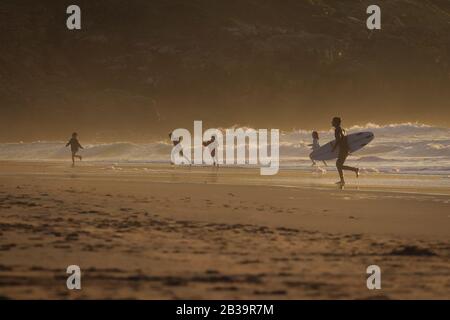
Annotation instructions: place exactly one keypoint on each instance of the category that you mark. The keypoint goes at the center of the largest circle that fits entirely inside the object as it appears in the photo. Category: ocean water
(397, 148)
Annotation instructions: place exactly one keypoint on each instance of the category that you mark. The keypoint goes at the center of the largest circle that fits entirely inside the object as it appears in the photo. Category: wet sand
(158, 232)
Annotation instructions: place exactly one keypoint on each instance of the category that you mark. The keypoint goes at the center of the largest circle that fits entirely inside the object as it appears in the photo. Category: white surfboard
(355, 142)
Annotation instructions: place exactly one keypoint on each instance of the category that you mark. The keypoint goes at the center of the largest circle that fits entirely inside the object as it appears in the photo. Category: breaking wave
(404, 147)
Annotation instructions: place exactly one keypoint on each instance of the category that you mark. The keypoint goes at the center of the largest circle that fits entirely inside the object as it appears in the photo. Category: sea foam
(401, 148)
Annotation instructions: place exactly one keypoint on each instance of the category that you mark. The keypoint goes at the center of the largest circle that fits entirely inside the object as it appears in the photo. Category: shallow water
(398, 148)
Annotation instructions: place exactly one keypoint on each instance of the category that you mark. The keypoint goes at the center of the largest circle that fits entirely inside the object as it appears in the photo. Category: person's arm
(79, 145)
(68, 143)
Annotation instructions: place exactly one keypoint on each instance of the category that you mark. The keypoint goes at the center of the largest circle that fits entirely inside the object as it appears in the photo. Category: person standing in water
(212, 145)
(74, 146)
(175, 143)
(341, 143)
(315, 146)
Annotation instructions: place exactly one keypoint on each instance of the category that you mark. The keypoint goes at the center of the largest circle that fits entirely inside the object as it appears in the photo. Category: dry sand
(157, 232)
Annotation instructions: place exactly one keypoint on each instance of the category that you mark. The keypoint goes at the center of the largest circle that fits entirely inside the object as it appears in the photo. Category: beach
(162, 232)
(231, 150)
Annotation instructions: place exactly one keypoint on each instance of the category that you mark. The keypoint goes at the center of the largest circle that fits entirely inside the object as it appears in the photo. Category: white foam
(398, 148)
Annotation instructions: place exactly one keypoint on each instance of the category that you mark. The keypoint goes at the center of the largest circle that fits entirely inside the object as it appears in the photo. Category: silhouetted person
(175, 143)
(315, 146)
(342, 144)
(74, 146)
(212, 144)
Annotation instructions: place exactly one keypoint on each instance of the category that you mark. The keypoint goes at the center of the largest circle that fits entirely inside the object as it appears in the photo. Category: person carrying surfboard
(342, 144)
(315, 146)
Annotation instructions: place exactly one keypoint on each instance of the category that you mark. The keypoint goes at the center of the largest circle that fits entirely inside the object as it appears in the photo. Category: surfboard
(355, 142)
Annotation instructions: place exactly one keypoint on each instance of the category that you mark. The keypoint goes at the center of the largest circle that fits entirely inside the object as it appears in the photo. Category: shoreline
(288, 178)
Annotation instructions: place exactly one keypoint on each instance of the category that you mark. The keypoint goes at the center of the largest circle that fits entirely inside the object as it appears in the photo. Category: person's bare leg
(339, 164)
(341, 160)
(355, 170)
(75, 155)
(216, 160)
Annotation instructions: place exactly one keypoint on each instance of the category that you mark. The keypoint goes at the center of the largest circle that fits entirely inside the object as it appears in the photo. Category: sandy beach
(99, 98)
(161, 232)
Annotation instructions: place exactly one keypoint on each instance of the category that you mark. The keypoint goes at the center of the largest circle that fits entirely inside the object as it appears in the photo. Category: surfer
(175, 143)
(341, 142)
(315, 146)
(212, 145)
(74, 146)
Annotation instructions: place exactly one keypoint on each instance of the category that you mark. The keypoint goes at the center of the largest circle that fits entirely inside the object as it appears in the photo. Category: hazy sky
(139, 69)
